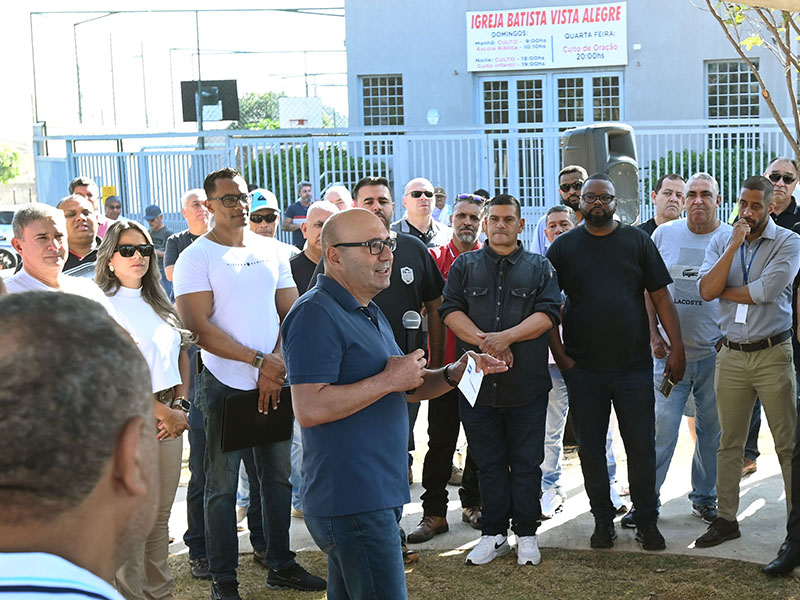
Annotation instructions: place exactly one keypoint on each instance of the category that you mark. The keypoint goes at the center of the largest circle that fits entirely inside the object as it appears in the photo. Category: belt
(759, 345)
(167, 397)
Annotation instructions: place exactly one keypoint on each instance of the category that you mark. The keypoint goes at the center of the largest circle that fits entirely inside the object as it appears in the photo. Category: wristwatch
(180, 402)
(258, 360)
(450, 381)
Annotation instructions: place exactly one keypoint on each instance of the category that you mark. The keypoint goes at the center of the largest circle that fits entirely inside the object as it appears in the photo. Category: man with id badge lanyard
(750, 269)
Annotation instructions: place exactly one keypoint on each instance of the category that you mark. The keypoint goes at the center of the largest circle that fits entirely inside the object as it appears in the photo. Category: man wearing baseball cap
(264, 216)
(159, 232)
(441, 211)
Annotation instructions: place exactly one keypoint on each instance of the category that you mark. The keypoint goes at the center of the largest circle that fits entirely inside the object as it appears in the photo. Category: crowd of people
(682, 315)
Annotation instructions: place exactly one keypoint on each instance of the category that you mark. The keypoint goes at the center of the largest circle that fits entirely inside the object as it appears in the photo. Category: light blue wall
(425, 41)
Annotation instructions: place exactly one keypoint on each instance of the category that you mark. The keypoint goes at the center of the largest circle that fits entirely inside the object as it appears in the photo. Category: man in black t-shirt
(304, 263)
(197, 217)
(604, 269)
(667, 197)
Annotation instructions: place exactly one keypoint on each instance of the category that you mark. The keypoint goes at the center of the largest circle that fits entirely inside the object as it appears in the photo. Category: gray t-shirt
(160, 243)
(683, 253)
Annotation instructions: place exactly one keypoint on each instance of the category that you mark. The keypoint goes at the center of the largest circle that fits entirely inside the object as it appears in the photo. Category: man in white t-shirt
(78, 488)
(40, 238)
(233, 289)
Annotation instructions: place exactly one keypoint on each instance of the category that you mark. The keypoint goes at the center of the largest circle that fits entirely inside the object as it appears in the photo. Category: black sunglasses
(232, 200)
(575, 185)
(270, 218)
(128, 250)
(776, 177)
(418, 193)
(375, 246)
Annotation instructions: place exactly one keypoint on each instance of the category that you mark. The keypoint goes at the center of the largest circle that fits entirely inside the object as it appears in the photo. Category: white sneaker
(551, 503)
(619, 505)
(528, 550)
(489, 547)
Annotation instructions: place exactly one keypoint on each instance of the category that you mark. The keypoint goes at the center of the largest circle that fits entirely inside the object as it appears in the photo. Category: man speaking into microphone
(503, 300)
(348, 376)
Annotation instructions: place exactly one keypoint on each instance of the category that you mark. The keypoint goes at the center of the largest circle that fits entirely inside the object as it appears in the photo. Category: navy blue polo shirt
(359, 463)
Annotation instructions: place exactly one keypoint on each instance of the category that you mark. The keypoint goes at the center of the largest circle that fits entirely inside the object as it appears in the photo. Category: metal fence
(158, 168)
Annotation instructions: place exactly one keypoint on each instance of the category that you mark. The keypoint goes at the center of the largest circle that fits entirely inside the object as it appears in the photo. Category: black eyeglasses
(787, 179)
(270, 218)
(575, 186)
(375, 246)
(232, 200)
(128, 250)
(418, 193)
(601, 198)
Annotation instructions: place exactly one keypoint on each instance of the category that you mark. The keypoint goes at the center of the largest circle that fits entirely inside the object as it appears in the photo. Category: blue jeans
(557, 408)
(590, 396)
(364, 556)
(195, 536)
(508, 446)
(222, 474)
(255, 522)
(699, 380)
(296, 479)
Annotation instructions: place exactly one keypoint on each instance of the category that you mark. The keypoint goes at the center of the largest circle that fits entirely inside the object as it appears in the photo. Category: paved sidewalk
(762, 511)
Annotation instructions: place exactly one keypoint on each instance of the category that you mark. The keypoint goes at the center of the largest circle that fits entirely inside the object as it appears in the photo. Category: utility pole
(198, 101)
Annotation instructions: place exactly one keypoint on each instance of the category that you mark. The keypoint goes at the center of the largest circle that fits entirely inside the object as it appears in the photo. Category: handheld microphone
(411, 323)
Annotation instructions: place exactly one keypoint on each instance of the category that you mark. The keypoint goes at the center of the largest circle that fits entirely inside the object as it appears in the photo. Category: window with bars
(495, 102)
(570, 99)
(605, 98)
(530, 101)
(732, 90)
(382, 100)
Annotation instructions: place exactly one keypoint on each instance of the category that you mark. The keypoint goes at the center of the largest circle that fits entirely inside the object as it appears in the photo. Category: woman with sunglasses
(127, 271)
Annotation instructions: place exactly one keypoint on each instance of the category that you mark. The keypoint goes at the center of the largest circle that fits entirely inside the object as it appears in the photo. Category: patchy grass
(563, 574)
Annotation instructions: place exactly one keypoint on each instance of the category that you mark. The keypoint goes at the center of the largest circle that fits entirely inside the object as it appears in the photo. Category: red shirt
(444, 257)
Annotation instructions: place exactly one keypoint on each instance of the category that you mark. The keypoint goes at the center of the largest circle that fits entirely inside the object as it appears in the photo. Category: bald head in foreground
(78, 468)
(348, 374)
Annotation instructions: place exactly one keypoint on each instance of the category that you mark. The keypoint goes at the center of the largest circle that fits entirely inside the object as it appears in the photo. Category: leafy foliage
(258, 111)
(9, 164)
(729, 167)
(778, 31)
(280, 170)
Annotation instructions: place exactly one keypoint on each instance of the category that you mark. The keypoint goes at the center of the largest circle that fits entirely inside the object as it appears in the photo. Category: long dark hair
(152, 292)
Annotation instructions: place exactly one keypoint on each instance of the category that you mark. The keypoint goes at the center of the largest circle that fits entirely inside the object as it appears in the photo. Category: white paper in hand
(470, 383)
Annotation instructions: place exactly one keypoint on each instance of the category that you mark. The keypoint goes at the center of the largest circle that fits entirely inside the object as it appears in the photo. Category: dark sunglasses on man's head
(128, 250)
(418, 193)
(270, 218)
(470, 198)
(787, 179)
(575, 186)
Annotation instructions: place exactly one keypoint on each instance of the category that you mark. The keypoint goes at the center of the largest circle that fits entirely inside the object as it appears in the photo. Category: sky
(127, 63)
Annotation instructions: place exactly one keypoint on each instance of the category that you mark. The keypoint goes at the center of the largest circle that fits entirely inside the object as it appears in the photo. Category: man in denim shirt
(503, 299)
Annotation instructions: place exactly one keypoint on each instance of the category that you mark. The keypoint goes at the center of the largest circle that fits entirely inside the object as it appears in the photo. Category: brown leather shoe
(472, 515)
(428, 527)
(748, 467)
